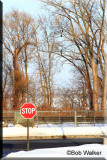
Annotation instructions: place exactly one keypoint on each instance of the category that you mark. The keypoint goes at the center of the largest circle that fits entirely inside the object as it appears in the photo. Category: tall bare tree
(17, 35)
(82, 28)
(45, 61)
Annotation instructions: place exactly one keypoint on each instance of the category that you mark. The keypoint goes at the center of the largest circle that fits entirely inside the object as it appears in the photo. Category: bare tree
(82, 28)
(17, 34)
(45, 61)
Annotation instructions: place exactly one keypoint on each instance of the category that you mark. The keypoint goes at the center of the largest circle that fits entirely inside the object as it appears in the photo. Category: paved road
(17, 145)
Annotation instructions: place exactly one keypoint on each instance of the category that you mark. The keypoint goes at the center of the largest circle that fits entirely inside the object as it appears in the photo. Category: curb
(52, 137)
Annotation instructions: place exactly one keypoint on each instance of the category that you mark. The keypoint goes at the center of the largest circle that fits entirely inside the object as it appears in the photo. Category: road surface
(18, 145)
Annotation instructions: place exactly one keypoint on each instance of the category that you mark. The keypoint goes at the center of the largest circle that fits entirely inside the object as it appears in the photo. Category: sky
(30, 6)
(35, 8)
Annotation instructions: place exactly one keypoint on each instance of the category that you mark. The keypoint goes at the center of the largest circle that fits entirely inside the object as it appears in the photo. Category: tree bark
(95, 85)
(16, 70)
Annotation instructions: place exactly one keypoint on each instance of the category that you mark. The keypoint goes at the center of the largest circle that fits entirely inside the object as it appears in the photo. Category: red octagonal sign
(28, 110)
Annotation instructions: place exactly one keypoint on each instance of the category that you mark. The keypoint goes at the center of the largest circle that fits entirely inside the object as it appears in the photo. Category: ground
(52, 130)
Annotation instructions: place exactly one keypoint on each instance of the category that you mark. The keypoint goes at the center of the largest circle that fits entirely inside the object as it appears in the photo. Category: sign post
(27, 134)
(28, 111)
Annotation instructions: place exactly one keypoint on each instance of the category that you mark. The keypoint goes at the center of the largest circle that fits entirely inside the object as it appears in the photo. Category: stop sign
(28, 110)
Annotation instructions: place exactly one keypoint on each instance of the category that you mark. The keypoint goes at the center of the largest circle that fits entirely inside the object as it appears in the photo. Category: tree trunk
(16, 70)
(49, 81)
(43, 88)
(26, 68)
(103, 99)
(95, 85)
(104, 88)
(90, 94)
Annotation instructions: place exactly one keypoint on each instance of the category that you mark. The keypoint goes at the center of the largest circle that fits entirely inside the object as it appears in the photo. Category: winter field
(52, 130)
(55, 130)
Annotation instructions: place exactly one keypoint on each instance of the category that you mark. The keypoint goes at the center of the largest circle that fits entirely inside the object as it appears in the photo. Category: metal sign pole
(27, 134)
(28, 111)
